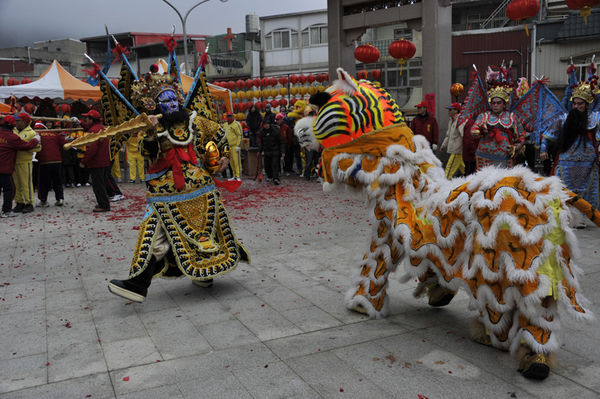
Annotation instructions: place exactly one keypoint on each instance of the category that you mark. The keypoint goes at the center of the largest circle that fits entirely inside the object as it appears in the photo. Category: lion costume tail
(584, 207)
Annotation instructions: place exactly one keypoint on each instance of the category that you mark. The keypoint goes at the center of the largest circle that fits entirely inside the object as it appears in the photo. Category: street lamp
(183, 21)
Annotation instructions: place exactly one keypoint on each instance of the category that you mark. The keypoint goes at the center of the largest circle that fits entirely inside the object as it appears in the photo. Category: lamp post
(183, 21)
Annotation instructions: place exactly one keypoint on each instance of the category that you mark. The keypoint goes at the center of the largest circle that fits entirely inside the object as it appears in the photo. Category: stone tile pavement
(276, 328)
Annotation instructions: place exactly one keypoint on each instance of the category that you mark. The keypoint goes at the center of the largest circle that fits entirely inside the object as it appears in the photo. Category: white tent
(55, 82)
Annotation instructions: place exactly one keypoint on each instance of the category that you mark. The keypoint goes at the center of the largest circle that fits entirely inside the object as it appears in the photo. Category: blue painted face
(167, 100)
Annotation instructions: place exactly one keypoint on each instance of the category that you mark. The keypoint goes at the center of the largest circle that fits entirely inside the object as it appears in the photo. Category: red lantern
(457, 90)
(518, 10)
(273, 81)
(283, 80)
(1, 82)
(18, 106)
(362, 74)
(235, 107)
(65, 108)
(375, 74)
(25, 81)
(115, 82)
(302, 79)
(240, 84)
(310, 78)
(274, 103)
(366, 53)
(283, 102)
(12, 82)
(294, 79)
(249, 83)
(231, 85)
(293, 101)
(258, 105)
(320, 77)
(584, 7)
(402, 50)
(326, 77)
(256, 82)
(29, 108)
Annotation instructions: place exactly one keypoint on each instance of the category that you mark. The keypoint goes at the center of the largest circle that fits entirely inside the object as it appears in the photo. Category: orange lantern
(294, 90)
(12, 82)
(362, 74)
(518, 10)
(367, 54)
(402, 50)
(457, 90)
(273, 92)
(584, 7)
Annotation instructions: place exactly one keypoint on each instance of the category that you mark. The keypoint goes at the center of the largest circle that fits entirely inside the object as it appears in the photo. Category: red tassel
(170, 43)
(204, 60)
(120, 50)
(94, 71)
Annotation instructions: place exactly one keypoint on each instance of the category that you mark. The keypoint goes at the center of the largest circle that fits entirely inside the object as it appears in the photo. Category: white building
(294, 43)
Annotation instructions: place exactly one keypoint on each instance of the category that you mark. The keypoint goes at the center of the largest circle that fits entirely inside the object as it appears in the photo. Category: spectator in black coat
(272, 147)
(254, 121)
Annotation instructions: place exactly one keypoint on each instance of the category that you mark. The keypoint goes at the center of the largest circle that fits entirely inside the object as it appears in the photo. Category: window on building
(282, 38)
(403, 33)
(314, 35)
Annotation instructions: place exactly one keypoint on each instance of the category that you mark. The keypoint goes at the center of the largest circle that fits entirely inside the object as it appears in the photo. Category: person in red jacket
(97, 160)
(425, 125)
(50, 165)
(10, 143)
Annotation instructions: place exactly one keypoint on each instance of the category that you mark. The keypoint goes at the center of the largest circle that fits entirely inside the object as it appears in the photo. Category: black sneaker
(28, 208)
(19, 207)
(276, 182)
(203, 283)
(125, 289)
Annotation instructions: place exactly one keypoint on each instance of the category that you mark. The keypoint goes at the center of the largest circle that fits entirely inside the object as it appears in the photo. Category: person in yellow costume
(22, 176)
(135, 159)
(233, 132)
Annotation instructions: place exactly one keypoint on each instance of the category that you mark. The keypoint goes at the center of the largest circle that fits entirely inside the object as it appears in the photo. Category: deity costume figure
(576, 136)
(185, 230)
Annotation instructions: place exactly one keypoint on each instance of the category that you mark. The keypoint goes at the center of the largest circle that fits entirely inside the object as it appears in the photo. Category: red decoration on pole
(457, 90)
(584, 7)
(367, 53)
(519, 10)
(115, 82)
(402, 50)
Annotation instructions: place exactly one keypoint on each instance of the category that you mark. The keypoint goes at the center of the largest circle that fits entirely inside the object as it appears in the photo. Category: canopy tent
(55, 82)
(217, 92)
(5, 108)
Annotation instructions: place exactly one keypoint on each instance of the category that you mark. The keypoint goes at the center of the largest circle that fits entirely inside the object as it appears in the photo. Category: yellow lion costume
(502, 234)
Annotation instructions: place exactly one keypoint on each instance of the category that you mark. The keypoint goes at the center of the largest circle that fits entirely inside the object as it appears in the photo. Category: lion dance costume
(185, 230)
(501, 234)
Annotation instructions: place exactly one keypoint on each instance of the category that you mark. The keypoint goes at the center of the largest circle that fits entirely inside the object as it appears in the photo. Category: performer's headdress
(500, 91)
(584, 91)
(145, 91)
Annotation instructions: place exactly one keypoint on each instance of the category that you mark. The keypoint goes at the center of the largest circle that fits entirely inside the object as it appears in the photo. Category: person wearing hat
(576, 136)
(500, 134)
(233, 132)
(10, 144)
(426, 125)
(23, 174)
(50, 166)
(97, 160)
(453, 141)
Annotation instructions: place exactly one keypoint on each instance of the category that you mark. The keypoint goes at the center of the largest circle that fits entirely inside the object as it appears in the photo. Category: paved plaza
(276, 328)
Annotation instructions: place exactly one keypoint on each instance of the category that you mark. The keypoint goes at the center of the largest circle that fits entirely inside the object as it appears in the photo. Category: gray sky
(23, 22)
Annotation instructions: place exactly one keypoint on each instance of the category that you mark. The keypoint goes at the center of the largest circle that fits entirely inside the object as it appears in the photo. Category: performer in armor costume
(576, 136)
(499, 132)
(185, 229)
(502, 234)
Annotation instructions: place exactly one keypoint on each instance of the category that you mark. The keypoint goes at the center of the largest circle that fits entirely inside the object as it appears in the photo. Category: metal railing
(496, 15)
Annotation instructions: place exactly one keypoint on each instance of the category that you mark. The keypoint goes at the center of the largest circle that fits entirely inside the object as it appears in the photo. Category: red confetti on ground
(341, 389)
(126, 378)
(68, 324)
(47, 364)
